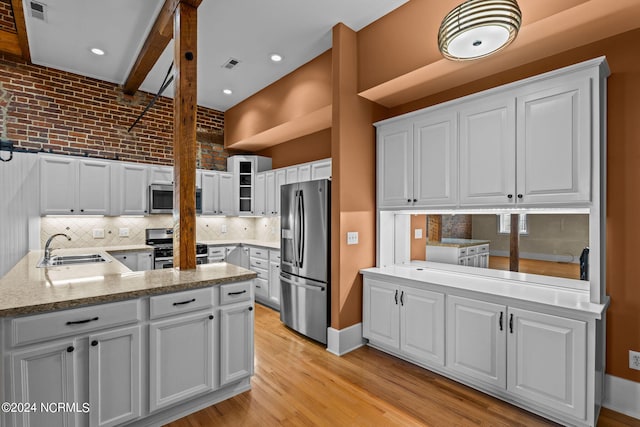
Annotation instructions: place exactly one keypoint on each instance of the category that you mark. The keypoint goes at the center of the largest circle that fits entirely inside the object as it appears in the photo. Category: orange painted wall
(418, 246)
(308, 148)
(623, 178)
(305, 90)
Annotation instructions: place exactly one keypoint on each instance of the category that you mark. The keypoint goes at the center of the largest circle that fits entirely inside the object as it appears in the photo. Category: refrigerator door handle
(302, 232)
(286, 278)
(295, 229)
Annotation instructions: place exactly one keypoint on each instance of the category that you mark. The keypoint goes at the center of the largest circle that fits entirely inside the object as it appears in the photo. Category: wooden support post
(184, 136)
(514, 243)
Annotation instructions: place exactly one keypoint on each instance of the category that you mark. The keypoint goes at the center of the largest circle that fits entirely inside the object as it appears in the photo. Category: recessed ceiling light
(275, 57)
(97, 51)
(227, 91)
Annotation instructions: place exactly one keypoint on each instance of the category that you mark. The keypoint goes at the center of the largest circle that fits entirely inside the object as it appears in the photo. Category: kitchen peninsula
(85, 334)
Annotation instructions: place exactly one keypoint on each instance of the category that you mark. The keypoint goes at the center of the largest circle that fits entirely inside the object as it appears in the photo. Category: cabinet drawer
(472, 250)
(483, 249)
(259, 263)
(43, 327)
(262, 274)
(262, 288)
(274, 256)
(180, 302)
(462, 251)
(259, 253)
(235, 292)
(216, 251)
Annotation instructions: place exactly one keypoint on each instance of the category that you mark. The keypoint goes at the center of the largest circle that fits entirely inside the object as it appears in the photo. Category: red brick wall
(44, 108)
(6, 16)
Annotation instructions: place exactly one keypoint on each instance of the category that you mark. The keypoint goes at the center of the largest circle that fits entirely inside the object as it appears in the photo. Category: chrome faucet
(47, 250)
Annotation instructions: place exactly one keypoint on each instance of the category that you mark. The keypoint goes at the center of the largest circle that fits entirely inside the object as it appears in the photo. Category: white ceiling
(247, 30)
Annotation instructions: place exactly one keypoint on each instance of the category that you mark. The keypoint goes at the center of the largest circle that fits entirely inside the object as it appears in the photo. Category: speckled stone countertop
(458, 243)
(26, 289)
(261, 243)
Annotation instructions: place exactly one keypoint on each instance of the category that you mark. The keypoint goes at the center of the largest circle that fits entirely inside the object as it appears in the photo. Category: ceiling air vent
(38, 10)
(231, 63)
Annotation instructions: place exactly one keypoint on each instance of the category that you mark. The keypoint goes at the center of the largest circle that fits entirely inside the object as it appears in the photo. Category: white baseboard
(341, 342)
(622, 396)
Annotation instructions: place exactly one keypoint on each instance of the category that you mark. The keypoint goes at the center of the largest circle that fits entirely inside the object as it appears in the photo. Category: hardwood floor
(297, 382)
(533, 266)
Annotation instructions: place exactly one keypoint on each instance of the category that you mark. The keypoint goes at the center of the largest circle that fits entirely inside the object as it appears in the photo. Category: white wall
(19, 206)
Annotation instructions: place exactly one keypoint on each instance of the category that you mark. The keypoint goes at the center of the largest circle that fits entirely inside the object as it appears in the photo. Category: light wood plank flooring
(298, 383)
(534, 266)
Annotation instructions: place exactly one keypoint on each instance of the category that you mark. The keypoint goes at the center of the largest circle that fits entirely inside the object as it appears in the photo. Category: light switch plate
(123, 232)
(634, 360)
(98, 233)
(223, 228)
(418, 233)
(352, 238)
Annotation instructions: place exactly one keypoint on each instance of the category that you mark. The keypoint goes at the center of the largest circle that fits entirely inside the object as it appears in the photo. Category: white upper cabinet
(304, 172)
(395, 164)
(74, 186)
(270, 192)
(226, 199)
(161, 175)
(132, 189)
(261, 197)
(292, 175)
(488, 151)
(280, 180)
(321, 169)
(210, 192)
(554, 143)
(435, 160)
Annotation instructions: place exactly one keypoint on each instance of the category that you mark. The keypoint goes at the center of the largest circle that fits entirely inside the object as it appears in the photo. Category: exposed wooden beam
(514, 243)
(157, 40)
(9, 43)
(184, 135)
(21, 29)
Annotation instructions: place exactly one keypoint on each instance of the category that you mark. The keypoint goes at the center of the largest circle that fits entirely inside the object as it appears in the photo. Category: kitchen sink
(72, 260)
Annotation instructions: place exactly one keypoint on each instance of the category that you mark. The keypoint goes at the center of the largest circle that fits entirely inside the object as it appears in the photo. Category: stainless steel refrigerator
(304, 250)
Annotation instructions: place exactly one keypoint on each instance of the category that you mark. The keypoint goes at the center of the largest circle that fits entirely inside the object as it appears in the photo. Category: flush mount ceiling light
(227, 91)
(275, 57)
(97, 51)
(478, 28)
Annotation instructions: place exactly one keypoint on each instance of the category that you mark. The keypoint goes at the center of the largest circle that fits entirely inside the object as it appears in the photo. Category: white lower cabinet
(236, 342)
(135, 261)
(181, 356)
(115, 376)
(405, 319)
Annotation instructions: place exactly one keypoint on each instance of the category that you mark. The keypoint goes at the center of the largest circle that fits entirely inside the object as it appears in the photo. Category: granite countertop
(458, 243)
(26, 289)
(251, 242)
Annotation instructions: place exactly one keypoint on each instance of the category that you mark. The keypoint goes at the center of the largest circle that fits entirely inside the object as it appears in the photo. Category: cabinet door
(274, 283)
(547, 360)
(145, 261)
(114, 376)
(321, 169)
(94, 187)
(476, 339)
(58, 184)
(134, 189)
(395, 164)
(281, 179)
(129, 259)
(226, 206)
(236, 343)
(381, 313)
(45, 374)
(292, 175)
(304, 173)
(270, 193)
(181, 356)
(554, 144)
(435, 160)
(260, 197)
(161, 175)
(210, 193)
(488, 152)
(422, 325)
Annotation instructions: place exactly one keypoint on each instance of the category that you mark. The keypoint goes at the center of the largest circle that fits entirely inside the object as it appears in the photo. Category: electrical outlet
(98, 233)
(123, 232)
(352, 238)
(223, 228)
(634, 360)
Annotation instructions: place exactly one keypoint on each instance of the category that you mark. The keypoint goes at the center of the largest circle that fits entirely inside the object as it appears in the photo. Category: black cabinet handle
(415, 200)
(402, 298)
(184, 302)
(511, 323)
(396, 297)
(237, 293)
(519, 196)
(79, 322)
(81, 210)
(71, 210)
(408, 200)
(70, 349)
(94, 343)
(124, 257)
(250, 308)
(500, 322)
(509, 196)
(211, 317)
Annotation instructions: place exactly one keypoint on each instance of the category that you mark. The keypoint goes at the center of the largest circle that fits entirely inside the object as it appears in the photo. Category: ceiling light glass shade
(478, 28)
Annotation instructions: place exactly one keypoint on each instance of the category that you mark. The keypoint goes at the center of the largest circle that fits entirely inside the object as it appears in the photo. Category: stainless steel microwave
(161, 199)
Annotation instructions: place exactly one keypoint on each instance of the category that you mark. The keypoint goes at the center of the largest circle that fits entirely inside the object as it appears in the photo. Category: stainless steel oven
(162, 241)
(161, 199)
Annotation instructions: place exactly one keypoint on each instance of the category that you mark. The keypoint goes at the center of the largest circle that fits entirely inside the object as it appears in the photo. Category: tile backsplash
(81, 229)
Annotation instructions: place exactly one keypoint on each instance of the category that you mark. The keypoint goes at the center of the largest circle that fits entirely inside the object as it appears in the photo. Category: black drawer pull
(237, 293)
(211, 317)
(501, 313)
(184, 302)
(70, 349)
(250, 308)
(94, 343)
(79, 322)
(511, 323)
